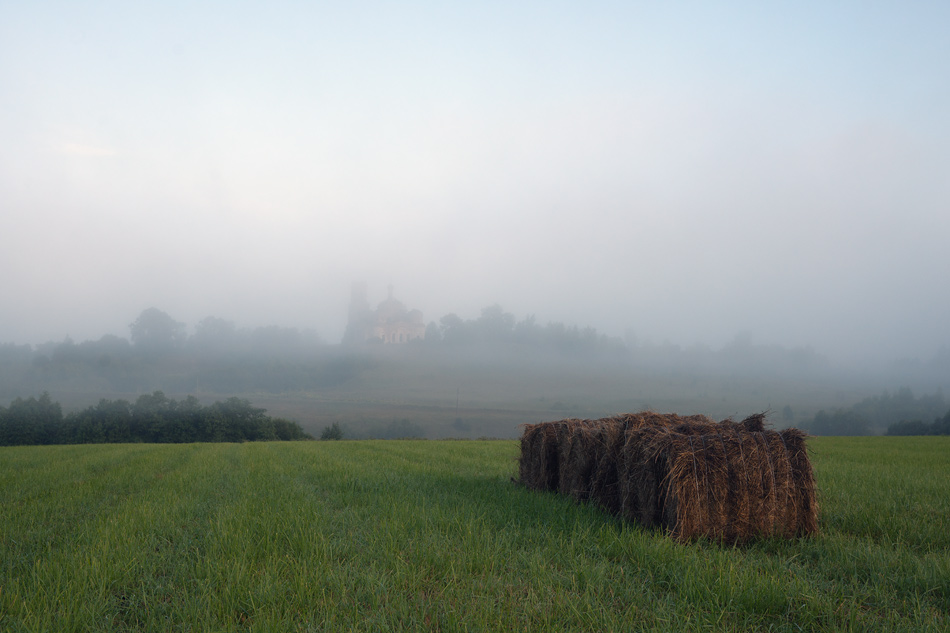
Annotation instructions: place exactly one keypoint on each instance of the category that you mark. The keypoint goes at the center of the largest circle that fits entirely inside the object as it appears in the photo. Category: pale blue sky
(682, 169)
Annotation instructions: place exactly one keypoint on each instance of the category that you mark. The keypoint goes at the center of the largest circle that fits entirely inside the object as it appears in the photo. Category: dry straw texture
(695, 477)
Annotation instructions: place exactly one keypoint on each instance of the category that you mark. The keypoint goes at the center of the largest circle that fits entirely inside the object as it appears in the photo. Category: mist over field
(670, 176)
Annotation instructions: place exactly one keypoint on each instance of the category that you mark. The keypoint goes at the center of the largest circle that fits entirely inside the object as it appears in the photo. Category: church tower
(390, 323)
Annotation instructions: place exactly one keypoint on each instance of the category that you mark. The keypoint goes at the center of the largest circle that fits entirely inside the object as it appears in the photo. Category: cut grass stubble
(409, 535)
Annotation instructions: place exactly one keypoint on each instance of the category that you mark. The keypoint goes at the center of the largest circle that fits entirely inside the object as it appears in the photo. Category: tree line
(495, 327)
(900, 413)
(220, 358)
(113, 365)
(940, 426)
(497, 330)
(152, 418)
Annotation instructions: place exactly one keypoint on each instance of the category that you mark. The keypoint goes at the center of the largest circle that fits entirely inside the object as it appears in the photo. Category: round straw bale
(578, 457)
(607, 438)
(726, 481)
(806, 499)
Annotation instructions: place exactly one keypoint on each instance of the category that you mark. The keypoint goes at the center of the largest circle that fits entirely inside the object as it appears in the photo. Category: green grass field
(427, 535)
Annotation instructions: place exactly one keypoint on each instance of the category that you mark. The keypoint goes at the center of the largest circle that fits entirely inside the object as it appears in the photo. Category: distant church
(390, 323)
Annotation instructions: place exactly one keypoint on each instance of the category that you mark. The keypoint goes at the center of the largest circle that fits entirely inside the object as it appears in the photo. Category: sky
(684, 171)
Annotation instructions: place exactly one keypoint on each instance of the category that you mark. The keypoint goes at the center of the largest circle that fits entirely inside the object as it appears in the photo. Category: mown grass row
(329, 536)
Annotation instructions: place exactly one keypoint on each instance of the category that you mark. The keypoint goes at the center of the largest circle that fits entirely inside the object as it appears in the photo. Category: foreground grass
(329, 536)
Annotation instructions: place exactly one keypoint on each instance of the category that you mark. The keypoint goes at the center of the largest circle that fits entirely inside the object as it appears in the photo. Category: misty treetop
(156, 331)
(152, 418)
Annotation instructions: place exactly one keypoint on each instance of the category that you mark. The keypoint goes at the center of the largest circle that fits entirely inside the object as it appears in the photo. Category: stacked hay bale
(539, 463)
(726, 481)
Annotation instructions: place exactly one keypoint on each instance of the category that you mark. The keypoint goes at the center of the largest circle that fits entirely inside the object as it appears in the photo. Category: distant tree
(940, 426)
(67, 352)
(7, 434)
(570, 340)
(287, 430)
(332, 432)
(105, 352)
(275, 340)
(115, 416)
(841, 422)
(155, 331)
(108, 344)
(403, 429)
(10, 352)
(213, 333)
(31, 421)
(453, 328)
(153, 418)
(887, 409)
(109, 421)
(528, 331)
(902, 411)
(497, 327)
(850, 423)
(433, 334)
(494, 325)
(909, 427)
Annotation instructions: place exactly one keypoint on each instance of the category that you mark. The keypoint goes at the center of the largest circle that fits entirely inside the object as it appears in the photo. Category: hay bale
(726, 481)
(642, 468)
(607, 489)
(730, 485)
(527, 449)
(578, 452)
(604, 486)
(806, 496)
(754, 423)
(538, 464)
(579, 458)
